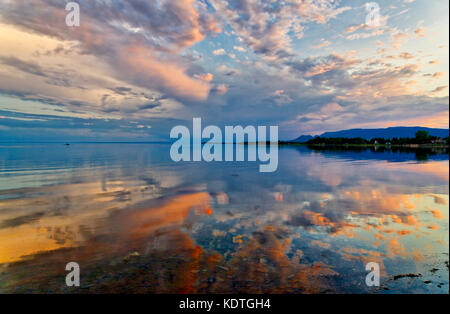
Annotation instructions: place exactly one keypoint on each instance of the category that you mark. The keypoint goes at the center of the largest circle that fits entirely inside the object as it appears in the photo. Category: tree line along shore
(422, 139)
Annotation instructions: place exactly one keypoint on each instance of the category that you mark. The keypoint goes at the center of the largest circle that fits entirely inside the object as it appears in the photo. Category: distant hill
(303, 139)
(386, 133)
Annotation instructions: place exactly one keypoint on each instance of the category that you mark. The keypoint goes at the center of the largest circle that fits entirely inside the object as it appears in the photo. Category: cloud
(208, 77)
(438, 90)
(280, 98)
(221, 89)
(239, 48)
(399, 38)
(406, 55)
(420, 32)
(227, 71)
(438, 75)
(324, 69)
(24, 66)
(354, 28)
(139, 40)
(373, 33)
(219, 52)
(354, 32)
(324, 43)
(323, 113)
(267, 27)
(142, 68)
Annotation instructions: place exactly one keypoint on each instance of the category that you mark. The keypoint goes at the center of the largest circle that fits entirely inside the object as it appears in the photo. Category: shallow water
(137, 222)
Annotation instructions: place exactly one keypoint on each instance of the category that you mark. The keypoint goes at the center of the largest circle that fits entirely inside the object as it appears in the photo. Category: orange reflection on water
(171, 213)
(26, 240)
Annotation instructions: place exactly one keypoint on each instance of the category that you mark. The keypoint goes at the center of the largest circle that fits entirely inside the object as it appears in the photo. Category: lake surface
(137, 222)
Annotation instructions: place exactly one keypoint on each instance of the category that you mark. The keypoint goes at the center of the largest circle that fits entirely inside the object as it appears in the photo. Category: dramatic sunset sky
(135, 68)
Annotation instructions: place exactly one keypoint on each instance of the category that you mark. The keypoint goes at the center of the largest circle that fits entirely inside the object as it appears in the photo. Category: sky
(134, 69)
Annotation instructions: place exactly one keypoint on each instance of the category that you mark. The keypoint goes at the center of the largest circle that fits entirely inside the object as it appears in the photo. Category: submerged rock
(407, 276)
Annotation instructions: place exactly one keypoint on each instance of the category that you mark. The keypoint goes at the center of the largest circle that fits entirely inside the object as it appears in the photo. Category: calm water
(137, 222)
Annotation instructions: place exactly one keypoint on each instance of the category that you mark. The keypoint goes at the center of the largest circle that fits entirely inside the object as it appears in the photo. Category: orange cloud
(142, 66)
(420, 32)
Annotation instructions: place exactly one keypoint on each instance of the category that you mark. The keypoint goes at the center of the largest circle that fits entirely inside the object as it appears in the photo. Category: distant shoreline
(281, 143)
(369, 145)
